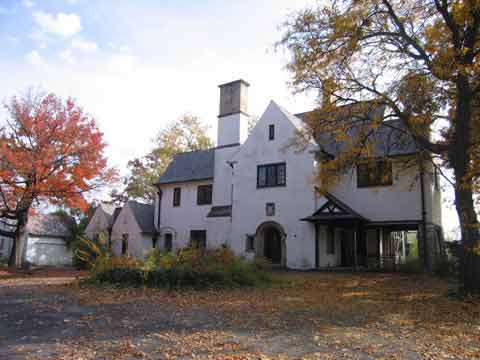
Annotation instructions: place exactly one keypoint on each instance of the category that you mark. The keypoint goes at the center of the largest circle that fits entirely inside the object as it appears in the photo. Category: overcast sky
(136, 65)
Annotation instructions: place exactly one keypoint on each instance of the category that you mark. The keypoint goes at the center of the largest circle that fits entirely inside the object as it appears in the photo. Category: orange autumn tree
(52, 152)
(420, 61)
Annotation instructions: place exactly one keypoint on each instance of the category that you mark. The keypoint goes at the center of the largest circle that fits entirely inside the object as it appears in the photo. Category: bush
(412, 266)
(3, 261)
(446, 267)
(191, 268)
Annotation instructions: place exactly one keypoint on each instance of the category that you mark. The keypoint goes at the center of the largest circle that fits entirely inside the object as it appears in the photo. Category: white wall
(396, 202)
(324, 259)
(232, 129)
(292, 202)
(51, 251)
(138, 243)
(188, 216)
(98, 224)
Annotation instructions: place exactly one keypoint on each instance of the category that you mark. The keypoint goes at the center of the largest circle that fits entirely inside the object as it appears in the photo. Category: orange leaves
(51, 150)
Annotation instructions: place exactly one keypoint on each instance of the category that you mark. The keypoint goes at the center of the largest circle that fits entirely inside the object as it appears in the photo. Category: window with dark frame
(204, 195)
(177, 196)
(271, 132)
(330, 240)
(154, 242)
(250, 243)
(124, 244)
(271, 175)
(168, 246)
(374, 173)
(198, 239)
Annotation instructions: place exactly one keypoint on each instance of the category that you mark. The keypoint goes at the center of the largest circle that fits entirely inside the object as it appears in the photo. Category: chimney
(233, 116)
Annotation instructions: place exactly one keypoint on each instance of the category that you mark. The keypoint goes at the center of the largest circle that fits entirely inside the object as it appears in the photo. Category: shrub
(3, 261)
(191, 268)
(412, 266)
(88, 253)
(446, 267)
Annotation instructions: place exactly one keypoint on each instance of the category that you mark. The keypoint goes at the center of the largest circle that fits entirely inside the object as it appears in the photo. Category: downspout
(159, 193)
(424, 213)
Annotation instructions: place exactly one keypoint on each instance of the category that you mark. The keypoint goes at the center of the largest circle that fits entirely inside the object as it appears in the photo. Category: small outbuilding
(48, 243)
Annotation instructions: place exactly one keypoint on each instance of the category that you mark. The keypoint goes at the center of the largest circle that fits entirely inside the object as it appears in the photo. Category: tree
(419, 59)
(51, 152)
(185, 134)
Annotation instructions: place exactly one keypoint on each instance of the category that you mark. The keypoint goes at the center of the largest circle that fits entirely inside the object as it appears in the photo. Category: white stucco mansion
(257, 195)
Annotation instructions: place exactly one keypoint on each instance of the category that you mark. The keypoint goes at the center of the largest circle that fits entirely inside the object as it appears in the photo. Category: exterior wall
(397, 202)
(48, 251)
(292, 202)
(98, 224)
(138, 243)
(188, 216)
(222, 189)
(232, 129)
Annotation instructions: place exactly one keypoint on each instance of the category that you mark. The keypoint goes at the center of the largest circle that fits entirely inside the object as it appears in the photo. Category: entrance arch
(270, 242)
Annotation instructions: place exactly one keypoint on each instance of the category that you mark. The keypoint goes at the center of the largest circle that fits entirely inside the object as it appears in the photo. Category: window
(270, 209)
(330, 240)
(204, 194)
(96, 237)
(374, 173)
(154, 242)
(124, 244)
(271, 175)
(250, 243)
(168, 246)
(177, 195)
(271, 132)
(198, 239)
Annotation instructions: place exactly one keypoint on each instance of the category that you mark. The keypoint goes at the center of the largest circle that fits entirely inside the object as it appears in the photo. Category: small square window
(198, 239)
(271, 132)
(374, 173)
(250, 243)
(204, 194)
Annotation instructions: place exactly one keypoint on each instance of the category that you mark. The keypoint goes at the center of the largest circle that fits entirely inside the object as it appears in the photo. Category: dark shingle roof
(390, 139)
(220, 211)
(190, 166)
(55, 225)
(144, 215)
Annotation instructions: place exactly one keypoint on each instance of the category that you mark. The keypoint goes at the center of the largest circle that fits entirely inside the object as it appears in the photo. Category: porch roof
(334, 210)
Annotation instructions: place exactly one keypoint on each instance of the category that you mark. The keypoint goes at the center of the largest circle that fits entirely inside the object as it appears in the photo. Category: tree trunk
(19, 246)
(464, 201)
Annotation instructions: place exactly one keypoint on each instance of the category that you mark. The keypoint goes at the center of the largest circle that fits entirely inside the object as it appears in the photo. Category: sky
(136, 65)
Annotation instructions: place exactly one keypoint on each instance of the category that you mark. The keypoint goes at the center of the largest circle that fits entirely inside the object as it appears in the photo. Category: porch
(346, 239)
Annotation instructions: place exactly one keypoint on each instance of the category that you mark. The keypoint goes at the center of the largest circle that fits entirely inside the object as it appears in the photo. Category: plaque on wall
(270, 209)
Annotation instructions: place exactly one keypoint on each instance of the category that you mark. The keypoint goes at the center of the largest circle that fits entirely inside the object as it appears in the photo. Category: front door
(273, 245)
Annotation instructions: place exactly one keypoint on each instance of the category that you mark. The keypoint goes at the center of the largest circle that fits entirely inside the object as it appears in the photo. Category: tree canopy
(418, 59)
(51, 152)
(185, 134)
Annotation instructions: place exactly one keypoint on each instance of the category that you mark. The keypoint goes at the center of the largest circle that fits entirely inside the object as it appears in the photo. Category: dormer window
(271, 132)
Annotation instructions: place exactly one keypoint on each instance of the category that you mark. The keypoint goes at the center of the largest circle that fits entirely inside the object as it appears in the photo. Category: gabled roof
(144, 214)
(54, 225)
(390, 139)
(334, 209)
(111, 212)
(190, 166)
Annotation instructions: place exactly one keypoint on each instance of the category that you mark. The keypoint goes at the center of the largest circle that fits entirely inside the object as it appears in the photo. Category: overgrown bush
(412, 266)
(88, 254)
(191, 268)
(3, 261)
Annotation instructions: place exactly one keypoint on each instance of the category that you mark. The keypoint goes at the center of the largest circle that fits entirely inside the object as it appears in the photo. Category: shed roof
(55, 225)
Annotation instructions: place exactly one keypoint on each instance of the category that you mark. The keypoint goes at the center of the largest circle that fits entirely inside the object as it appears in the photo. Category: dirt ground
(48, 315)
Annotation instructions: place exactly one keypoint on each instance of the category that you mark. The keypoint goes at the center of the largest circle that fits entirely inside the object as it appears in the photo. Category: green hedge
(185, 269)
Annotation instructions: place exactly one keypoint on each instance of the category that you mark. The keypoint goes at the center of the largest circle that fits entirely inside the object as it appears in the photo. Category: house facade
(100, 226)
(257, 195)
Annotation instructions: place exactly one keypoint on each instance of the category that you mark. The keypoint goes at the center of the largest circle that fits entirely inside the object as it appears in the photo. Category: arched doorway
(270, 242)
(272, 245)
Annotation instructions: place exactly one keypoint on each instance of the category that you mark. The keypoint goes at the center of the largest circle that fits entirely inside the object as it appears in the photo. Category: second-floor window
(204, 194)
(271, 175)
(374, 173)
(177, 195)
